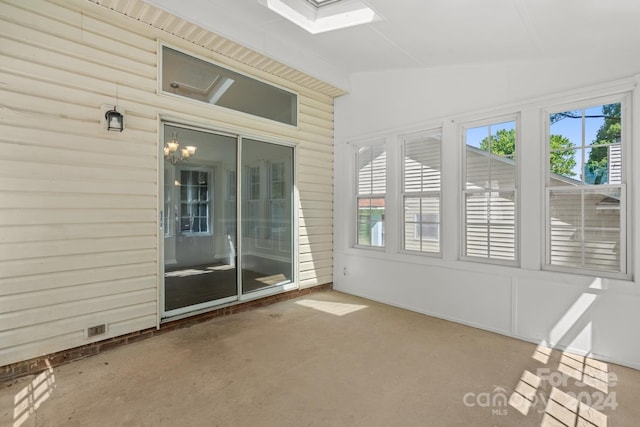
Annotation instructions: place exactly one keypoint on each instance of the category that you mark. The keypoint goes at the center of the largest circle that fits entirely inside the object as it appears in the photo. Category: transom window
(193, 78)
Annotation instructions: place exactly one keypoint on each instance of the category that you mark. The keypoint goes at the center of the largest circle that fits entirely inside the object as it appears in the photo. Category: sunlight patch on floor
(589, 371)
(29, 399)
(542, 353)
(335, 308)
(524, 396)
(565, 410)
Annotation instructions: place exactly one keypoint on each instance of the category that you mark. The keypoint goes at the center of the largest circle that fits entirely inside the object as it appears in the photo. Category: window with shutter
(371, 187)
(585, 188)
(421, 168)
(490, 187)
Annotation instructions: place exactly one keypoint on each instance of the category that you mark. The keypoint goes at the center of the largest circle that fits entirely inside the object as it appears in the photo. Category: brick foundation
(39, 364)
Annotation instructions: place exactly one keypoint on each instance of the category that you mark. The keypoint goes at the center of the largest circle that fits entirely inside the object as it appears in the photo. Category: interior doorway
(227, 218)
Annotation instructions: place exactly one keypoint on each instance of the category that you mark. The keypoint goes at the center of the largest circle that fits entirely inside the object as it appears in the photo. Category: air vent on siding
(92, 331)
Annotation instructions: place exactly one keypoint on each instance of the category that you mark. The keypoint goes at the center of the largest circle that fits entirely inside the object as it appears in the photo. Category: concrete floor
(327, 359)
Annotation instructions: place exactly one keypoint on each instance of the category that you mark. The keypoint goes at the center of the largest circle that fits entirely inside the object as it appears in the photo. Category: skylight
(318, 16)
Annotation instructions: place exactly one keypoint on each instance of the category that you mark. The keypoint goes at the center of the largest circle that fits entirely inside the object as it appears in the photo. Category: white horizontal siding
(56, 337)
(79, 205)
(36, 283)
(26, 250)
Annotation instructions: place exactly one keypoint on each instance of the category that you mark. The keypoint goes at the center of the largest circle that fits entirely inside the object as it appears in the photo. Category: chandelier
(175, 155)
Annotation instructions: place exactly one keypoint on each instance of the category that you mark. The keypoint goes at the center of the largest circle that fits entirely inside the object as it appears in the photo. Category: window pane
(586, 229)
(203, 178)
(502, 219)
(477, 170)
(421, 189)
(585, 224)
(267, 216)
(422, 223)
(411, 243)
(371, 161)
(412, 176)
(602, 229)
(363, 160)
(364, 221)
(565, 208)
(372, 169)
(584, 145)
(602, 250)
(503, 172)
(565, 164)
(490, 156)
(566, 246)
(411, 209)
(371, 222)
(491, 225)
(477, 227)
(490, 215)
(194, 200)
(194, 78)
(569, 125)
(430, 223)
(277, 187)
(421, 163)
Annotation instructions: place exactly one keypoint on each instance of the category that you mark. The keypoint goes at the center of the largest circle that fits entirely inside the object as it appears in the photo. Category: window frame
(417, 225)
(356, 217)
(209, 202)
(463, 127)
(626, 242)
(160, 91)
(168, 203)
(273, 202)
(254, 191)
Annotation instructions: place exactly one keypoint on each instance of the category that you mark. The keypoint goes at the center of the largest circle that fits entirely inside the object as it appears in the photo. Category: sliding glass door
(267, 215)
(203, 194)
(199, 218)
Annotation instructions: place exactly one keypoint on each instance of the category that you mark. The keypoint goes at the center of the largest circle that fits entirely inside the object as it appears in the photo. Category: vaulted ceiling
(425, 33)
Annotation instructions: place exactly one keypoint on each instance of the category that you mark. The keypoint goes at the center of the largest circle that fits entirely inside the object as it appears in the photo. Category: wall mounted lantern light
(115, 120)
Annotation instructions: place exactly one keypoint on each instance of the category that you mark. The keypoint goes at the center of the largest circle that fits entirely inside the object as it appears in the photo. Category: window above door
(190, 77)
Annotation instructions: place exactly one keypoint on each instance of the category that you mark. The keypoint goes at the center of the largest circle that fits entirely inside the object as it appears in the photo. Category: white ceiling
(426, 33)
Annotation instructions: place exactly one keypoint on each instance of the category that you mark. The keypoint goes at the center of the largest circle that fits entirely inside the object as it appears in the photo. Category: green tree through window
(609, 133)
(597, 164)
(503, 143)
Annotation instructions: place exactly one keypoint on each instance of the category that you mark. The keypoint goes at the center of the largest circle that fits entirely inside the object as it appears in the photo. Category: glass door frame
(164, 315)
(295, 283)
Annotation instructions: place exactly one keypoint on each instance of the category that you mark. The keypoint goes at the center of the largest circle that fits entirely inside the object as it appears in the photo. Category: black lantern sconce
(115, 120)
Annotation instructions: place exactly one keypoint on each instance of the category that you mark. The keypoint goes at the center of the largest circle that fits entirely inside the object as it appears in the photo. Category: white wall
(379, 101)
(586, 314)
